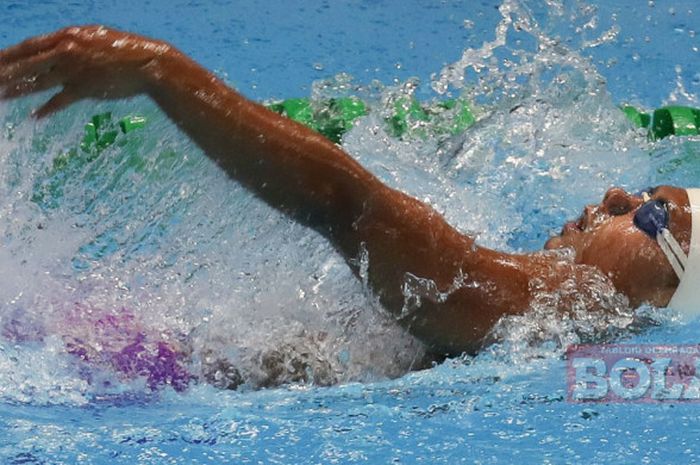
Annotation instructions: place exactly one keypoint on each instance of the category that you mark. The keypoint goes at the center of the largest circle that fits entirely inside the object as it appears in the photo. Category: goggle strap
(675, 247)
(672, 250)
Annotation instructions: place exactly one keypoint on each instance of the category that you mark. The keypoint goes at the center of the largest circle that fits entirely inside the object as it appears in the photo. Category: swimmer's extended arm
(442, 287)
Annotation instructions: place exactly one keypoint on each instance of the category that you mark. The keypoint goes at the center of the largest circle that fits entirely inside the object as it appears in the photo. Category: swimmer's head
(606, 236)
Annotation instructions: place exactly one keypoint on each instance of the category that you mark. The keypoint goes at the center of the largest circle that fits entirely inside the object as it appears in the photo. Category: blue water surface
(277, 49)
(505, 405)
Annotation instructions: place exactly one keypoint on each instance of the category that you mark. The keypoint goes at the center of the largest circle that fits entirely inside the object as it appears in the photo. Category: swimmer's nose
(618, 202)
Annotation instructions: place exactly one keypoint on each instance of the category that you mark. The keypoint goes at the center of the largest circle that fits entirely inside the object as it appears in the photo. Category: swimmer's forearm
(286, 164)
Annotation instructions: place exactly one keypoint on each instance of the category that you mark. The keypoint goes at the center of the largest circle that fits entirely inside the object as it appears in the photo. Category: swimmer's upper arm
(283, 162)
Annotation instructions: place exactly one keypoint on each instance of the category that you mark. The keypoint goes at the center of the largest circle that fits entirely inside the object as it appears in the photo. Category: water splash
(252, 299)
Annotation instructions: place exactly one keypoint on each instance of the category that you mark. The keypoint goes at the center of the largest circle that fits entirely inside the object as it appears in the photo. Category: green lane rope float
(331, 118)
(334, 117)
(101, 132)
(666, 121)
(447, 117)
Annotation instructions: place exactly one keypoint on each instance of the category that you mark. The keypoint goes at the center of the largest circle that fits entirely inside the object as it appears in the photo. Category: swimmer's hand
(87, 61)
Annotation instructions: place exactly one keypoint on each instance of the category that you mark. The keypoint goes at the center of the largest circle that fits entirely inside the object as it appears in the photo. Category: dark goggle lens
(652, 217)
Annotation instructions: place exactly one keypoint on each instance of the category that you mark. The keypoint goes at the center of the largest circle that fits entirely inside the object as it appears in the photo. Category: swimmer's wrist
(159, 72)
(171, 73)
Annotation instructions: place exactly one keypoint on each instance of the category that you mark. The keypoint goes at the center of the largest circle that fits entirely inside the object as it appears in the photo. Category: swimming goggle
(652, 218)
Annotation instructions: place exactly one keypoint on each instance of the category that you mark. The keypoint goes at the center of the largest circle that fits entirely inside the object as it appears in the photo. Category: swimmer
(459, 290)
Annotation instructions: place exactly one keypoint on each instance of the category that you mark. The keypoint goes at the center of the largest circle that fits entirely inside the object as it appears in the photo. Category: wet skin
(605, 236)
(439, 284)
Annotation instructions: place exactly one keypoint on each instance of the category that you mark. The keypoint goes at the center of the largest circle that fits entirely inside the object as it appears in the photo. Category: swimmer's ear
(56, 103)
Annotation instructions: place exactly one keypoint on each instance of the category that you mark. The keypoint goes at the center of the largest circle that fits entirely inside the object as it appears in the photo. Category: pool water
(144, 247)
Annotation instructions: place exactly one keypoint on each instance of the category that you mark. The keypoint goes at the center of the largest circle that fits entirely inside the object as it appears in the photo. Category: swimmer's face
(605, 236)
